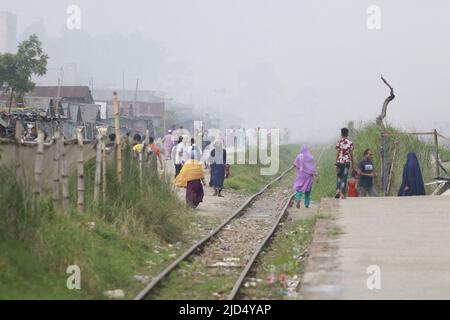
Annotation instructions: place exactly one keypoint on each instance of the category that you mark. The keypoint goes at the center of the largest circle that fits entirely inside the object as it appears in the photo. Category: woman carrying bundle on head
(192, 178)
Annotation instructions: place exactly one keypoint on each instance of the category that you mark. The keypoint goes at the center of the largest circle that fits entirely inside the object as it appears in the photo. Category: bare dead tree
(391, 97)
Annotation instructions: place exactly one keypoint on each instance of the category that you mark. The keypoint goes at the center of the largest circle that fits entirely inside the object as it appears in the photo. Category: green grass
(38, 242)
(325, 157)
(247, 177)
(369, 137)
(137, 207)
(325, 216)
(195, 283)
(25, 277)
(38, 270)
(335, 231)
(282, 258)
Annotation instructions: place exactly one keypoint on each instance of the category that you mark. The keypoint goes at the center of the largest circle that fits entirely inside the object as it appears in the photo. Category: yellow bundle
(191, 170)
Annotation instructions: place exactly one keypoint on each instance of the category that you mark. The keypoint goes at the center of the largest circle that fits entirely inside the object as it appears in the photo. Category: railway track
(243, 235)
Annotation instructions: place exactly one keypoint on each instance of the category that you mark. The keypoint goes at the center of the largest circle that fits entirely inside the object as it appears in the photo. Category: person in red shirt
(352, 185)
(344, 160)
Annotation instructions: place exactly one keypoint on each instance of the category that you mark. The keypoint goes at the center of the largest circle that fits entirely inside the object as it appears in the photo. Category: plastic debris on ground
(225, 264)
(115, 294)
(142, 278)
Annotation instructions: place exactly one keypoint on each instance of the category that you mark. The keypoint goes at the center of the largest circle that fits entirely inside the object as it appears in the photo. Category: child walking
(352, 185)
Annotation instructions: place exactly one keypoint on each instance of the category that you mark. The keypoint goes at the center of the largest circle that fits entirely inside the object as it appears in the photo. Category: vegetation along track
(215, 267)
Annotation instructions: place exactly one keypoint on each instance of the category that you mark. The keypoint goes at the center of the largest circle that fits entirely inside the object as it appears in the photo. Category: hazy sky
(309, 65)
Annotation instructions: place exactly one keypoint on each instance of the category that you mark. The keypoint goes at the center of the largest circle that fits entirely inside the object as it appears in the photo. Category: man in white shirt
(196, 149)
(179, 156)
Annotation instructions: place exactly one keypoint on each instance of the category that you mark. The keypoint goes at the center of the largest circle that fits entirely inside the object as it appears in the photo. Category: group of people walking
(189, 169)
(187, 158)
(150, 152)
(188, 161)
(361, 182)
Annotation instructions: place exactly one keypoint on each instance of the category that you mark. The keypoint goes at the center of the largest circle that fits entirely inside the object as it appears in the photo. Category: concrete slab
(407, 238)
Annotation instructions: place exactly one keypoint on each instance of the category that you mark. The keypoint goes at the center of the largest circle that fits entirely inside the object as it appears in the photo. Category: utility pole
(123, 82)
(136, 91)
(436, 145)
(11, 98)
(60, 80)
(92, 85)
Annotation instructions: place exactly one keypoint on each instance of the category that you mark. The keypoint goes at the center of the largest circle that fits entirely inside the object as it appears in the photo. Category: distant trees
(17, 69)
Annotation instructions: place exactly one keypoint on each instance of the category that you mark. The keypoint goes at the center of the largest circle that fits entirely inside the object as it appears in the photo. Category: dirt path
(212, 206)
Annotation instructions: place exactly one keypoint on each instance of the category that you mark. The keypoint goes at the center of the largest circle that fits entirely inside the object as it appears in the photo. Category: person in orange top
(352, 185)
(153, 153)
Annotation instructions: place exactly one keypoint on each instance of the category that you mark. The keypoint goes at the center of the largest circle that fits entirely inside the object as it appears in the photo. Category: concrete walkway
(407, 238)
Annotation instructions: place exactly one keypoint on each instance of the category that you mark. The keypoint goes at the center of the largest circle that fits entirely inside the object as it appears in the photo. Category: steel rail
(205, 239)
(258, 250)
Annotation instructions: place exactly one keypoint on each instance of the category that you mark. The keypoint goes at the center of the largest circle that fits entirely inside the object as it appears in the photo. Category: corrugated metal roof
(139, 109)
(88, 113)
(65, 92)
(3, 123)
(127, 95)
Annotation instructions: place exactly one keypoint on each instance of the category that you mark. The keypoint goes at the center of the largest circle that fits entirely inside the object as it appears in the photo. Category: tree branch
(391, 97)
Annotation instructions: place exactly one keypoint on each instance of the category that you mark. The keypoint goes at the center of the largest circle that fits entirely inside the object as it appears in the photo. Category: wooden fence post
(391, 170)
(38, 164)
(436, 152)
(381, 161)
(18, 137)
(146, 149)
(103, 130)
(80, 164)
(118, 139)
(141, 164)
(63, 173)
(104, 170)
(56, 168)
(98, 167)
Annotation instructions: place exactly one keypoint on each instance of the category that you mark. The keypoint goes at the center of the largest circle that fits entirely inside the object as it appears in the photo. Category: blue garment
(412, 178)
(365, 167)
(341, 179)
(298, 197)
(218, 168)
